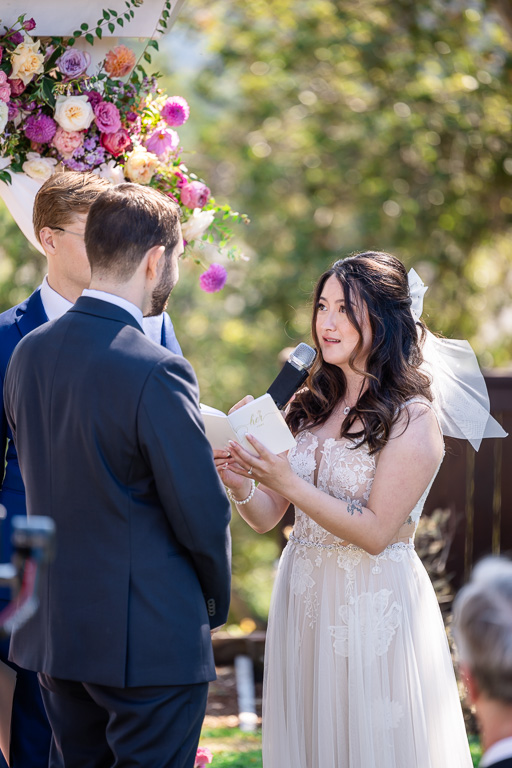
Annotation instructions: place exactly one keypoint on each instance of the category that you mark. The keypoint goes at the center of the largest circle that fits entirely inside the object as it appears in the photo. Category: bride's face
(337, 336)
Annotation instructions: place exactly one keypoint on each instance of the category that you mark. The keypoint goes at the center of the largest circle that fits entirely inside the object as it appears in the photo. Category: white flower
(4, 112)
(73, 113)
(196, 224)
(39, 168)
(26, 62)
(111, 171)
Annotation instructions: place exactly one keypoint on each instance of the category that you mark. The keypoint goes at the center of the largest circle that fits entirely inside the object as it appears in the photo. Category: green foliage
(21, 266)
(343, 126)
(475, 749)
(232, 748)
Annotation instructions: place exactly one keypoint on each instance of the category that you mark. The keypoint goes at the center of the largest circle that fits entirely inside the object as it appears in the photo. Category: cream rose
(197, 224)
(37, 167)
(26, 62)
(4, 114)
(73, 113)
(141, 165)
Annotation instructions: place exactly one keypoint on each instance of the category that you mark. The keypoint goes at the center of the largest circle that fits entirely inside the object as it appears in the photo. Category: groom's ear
(153, 259)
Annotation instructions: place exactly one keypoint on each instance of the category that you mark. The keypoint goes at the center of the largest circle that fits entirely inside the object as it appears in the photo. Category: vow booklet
(261, 418)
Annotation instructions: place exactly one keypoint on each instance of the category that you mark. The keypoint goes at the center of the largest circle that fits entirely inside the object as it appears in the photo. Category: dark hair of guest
(379, 281)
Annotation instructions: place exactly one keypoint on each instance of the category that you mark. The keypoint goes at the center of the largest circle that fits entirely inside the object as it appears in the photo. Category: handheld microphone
(293, 374)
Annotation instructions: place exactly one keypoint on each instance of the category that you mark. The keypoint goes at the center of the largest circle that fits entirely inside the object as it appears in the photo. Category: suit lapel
(30, 314)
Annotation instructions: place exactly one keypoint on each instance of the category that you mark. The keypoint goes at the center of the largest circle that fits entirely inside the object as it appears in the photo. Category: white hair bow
(458, 387)
(417, 290)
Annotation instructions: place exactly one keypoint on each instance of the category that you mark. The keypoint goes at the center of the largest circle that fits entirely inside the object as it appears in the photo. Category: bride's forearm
(264, 510)
(350, 521)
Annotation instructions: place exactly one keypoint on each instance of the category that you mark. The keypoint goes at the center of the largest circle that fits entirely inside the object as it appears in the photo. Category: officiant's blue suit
(30, 741)
(111, 445)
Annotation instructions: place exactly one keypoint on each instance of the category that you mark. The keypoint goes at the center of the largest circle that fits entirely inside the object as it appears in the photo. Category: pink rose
(5, 88)
(66, 142)
(117, 142)
(107, 117)
(194, 194)
(17, 86)
(203, 757)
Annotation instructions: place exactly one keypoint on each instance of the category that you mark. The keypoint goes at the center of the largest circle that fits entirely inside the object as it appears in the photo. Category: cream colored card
(261, 418)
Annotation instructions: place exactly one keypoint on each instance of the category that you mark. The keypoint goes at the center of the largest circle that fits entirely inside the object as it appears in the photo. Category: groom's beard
(162, 291)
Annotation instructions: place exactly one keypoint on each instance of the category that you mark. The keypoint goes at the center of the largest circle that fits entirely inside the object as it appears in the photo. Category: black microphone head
(302, 356)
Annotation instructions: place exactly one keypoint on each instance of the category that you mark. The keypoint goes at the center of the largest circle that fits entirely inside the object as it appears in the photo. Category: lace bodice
(339, 469)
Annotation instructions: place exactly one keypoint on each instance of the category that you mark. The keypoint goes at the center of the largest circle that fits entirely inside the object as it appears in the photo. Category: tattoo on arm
(354, 506)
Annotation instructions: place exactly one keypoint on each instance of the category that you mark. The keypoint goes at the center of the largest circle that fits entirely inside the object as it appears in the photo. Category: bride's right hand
(239, 486)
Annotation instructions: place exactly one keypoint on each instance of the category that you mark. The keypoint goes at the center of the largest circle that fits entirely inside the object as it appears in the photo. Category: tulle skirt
(358, 672)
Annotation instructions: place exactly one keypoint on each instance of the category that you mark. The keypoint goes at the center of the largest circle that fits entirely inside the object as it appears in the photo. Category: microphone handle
(286, 383)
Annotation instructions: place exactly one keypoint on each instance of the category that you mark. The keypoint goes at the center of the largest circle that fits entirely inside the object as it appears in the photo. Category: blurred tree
(348, 125)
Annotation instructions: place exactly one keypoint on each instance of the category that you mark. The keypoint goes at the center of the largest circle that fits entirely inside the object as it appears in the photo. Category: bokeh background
(336, 126)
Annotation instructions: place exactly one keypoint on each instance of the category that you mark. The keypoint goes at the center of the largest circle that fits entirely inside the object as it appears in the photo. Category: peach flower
(26, 62)
(119, 61)
(141, 165)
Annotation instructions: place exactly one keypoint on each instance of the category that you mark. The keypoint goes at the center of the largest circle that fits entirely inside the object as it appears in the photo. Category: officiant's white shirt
(499, 751)
(56, 305)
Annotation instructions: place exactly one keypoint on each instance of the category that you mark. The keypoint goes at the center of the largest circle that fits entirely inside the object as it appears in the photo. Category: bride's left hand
(273, 470)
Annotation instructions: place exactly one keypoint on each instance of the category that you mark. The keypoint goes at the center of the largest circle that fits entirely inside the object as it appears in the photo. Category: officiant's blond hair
(64, 195)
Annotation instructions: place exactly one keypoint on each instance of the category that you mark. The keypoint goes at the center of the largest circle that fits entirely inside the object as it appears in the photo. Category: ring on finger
(249, 471)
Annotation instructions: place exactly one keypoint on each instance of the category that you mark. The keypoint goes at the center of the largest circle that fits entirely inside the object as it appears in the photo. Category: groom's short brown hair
(64, 195)
(124, 223)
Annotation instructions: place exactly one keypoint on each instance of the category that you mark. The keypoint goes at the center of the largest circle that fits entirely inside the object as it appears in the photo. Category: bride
(358, 671)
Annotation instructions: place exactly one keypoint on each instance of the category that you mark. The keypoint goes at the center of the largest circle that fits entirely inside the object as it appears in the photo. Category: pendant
(346, 410)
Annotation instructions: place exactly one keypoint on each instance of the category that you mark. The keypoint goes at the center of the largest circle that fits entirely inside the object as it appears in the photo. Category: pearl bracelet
(246, 500)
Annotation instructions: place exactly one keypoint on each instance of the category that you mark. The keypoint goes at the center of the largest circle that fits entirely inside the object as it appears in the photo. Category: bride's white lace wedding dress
(358, 671)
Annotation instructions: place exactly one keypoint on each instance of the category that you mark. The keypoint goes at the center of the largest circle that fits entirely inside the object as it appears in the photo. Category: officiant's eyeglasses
(61, 229)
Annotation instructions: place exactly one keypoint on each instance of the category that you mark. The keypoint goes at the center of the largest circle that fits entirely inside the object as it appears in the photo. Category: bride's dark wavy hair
(378, 281)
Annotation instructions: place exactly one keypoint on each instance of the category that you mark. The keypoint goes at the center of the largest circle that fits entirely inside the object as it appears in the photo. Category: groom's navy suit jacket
(111, 445)
(30, 731)
(14, 324)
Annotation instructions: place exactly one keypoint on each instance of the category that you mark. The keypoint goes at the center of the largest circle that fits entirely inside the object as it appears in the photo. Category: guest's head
(483, 630)
(60, 212)
(362, 324)
(133, 236)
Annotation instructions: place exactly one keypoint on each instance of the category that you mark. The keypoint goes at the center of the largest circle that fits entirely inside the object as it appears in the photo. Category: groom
(111, 445)
(60, 212)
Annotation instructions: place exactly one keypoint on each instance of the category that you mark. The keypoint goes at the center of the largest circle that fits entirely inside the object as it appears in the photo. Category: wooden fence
(477, 489)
